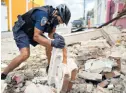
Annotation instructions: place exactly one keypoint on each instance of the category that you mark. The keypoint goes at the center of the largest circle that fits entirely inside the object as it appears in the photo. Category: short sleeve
(40, 18)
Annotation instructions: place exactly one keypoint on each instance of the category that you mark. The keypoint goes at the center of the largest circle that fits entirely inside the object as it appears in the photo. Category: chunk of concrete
(81, 36)
(99, 65)
(60, 73)
(111, 34)
(90, 76)
(115, 54)
(110, 86)
(95, 43)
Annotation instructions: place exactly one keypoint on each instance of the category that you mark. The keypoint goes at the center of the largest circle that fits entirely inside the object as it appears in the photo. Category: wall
(100, 12)
(7, 4)
(18, 8)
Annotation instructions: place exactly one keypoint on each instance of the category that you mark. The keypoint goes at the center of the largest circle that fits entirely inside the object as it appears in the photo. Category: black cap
(64, 13)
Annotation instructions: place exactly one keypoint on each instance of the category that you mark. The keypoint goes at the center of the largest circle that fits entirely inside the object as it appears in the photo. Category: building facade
(15, 8)
(100, 10)
(105, 10)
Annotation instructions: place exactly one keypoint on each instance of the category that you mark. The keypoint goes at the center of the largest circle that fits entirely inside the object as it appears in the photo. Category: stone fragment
(99, 65)
(40, 80)
(90, 76)
(110, 86)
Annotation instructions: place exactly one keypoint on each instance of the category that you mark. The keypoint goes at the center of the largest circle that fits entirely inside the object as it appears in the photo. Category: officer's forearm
(50, 35)
(42, 40)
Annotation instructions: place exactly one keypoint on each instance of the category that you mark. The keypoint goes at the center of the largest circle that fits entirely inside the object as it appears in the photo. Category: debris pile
(102, 67)
(101, 62)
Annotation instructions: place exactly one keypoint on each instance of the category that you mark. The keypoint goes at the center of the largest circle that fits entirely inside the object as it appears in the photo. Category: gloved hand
(58, 43)
(47, 68)
(57, 36)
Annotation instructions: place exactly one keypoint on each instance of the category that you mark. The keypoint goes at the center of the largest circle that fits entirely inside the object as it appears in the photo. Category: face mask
(55, 21)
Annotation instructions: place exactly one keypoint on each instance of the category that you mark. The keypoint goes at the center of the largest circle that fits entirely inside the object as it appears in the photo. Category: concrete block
(99, 65)
(115, 54)
(81, 36)
(111, 34)
(60, 73)
(95, 43)
(90, 76)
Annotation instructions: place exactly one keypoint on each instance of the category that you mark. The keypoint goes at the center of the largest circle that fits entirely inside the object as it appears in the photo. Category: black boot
(3, 76)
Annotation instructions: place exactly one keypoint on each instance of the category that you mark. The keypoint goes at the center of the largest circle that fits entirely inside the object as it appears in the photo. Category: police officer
(30, 27)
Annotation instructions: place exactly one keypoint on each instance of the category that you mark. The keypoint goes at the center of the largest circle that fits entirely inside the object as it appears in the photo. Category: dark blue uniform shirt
(38, 16)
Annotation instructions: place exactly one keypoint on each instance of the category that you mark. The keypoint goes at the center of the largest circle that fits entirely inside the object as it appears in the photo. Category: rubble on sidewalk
(101, 63)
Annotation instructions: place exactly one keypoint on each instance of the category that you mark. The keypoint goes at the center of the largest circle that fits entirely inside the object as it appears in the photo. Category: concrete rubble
(101, 63)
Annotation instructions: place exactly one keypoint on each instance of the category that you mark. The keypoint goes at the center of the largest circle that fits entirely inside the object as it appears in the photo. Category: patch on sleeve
(43, 21)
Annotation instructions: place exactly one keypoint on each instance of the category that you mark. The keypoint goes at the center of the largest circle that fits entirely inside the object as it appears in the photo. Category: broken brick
(103, 83)
(112, 74)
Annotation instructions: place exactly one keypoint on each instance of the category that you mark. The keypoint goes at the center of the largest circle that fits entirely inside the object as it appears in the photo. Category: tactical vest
(29, 22)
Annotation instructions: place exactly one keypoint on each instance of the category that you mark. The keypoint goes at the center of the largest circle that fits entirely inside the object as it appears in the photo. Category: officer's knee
(25, 55)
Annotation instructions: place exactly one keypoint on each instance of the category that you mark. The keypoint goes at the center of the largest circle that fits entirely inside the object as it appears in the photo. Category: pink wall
(111, 10)
(121, 22)
(108, 10)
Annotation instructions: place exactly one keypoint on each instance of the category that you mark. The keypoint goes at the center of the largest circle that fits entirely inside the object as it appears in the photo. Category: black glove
(57, 36)
(47, 68)
(58, 43)
(3, 76)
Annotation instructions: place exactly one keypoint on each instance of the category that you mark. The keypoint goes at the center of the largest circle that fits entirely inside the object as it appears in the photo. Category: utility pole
(84, 11)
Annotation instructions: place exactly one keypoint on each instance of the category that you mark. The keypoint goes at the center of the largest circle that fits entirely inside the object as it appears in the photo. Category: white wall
(4, 21)
(100, 11)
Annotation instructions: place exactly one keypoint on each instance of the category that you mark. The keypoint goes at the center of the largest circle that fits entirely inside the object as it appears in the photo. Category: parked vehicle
(77, 25)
